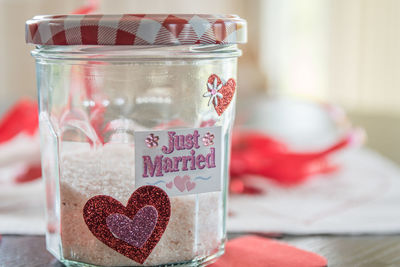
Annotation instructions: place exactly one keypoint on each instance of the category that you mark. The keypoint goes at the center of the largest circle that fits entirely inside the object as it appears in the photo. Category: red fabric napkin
(257, 251)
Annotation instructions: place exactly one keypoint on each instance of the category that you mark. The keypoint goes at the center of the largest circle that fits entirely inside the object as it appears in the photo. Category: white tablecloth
(363, 197)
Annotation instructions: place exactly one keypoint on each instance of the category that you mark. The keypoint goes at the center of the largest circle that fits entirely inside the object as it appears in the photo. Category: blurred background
(332, 51)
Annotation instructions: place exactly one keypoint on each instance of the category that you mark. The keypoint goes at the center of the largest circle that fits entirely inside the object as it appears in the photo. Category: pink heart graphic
(169, 185)
(135, 232)
(190, 185)
(180, 182)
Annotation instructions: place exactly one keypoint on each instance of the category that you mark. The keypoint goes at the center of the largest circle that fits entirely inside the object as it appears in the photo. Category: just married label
(180, 161)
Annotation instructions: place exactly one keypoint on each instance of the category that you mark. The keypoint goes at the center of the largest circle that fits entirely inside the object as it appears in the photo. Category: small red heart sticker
(221, 94)
(133, 230)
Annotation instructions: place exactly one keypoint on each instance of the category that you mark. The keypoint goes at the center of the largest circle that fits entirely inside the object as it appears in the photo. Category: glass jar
(135, 130)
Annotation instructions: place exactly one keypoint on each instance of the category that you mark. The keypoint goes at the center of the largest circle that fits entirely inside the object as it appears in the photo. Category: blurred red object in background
(21, 118)
(254, 153)
(258, 251)
(19, 142)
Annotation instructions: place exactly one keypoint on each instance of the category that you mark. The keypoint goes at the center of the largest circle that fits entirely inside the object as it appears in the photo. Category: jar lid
(136, 29)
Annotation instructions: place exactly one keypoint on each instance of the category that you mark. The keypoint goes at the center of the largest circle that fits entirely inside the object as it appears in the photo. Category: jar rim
(129, 53)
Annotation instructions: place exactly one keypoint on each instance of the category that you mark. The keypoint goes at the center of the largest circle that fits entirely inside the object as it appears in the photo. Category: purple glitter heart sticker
(134, 231)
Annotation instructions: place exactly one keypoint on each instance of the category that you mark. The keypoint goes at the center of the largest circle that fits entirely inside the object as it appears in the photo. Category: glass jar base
(204, 261)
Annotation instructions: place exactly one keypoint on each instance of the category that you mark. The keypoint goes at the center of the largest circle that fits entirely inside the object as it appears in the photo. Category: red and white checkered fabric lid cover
(136, 29)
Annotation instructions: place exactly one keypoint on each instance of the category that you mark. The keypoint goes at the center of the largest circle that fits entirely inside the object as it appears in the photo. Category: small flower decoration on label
(212, 92)
(152, 140)
(208, 139)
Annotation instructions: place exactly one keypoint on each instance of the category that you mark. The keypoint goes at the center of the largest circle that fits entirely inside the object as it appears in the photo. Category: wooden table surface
(343, 251)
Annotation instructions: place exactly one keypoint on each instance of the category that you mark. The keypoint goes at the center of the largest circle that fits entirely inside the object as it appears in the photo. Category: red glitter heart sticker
(133, 230)
(220, 94)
